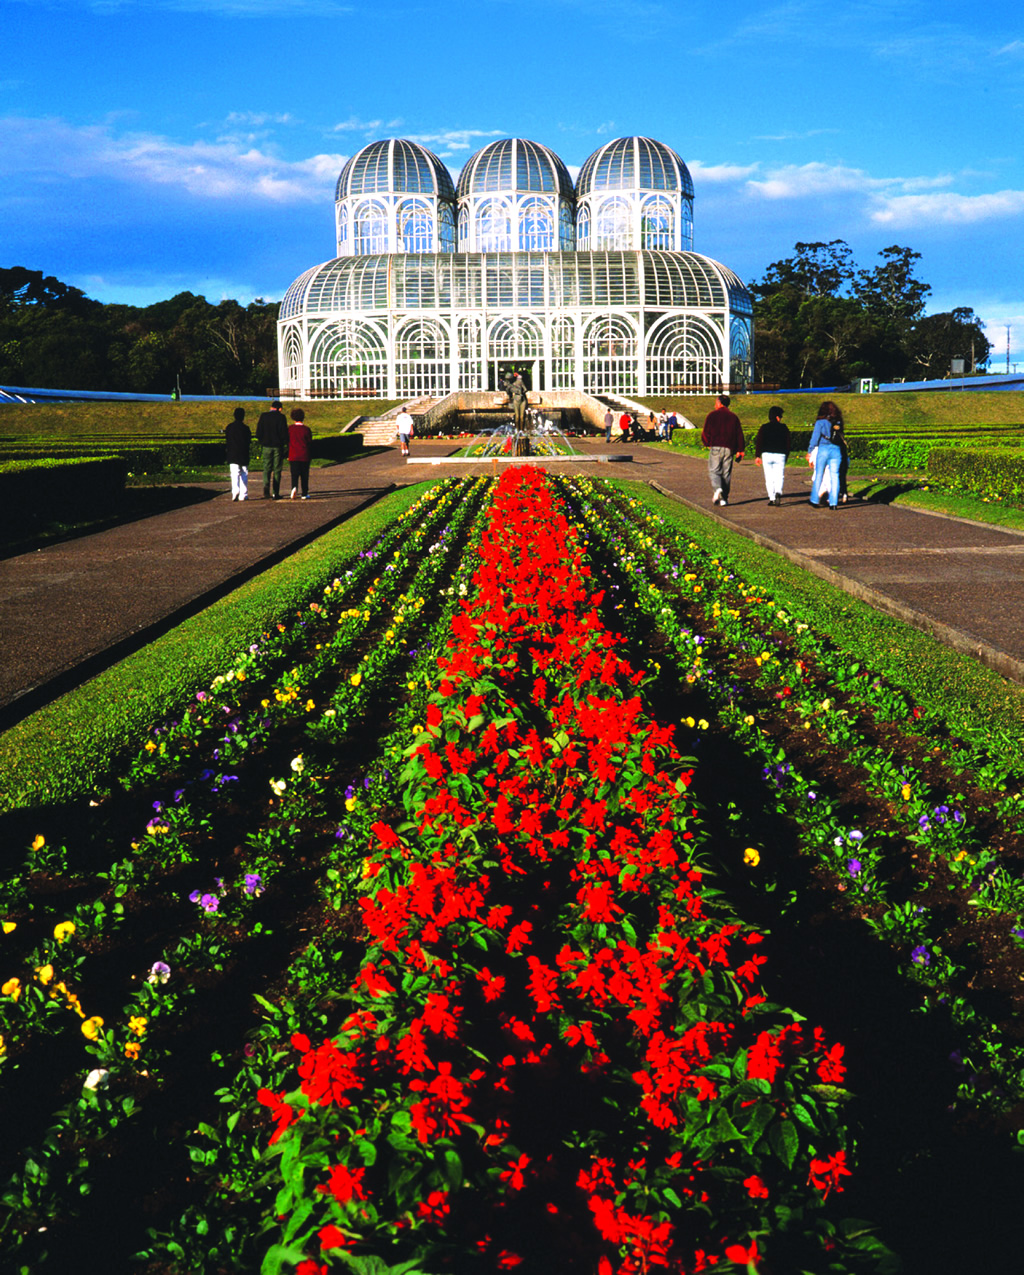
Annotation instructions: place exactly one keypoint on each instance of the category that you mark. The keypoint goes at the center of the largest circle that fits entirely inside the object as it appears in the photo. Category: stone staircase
(379, 431)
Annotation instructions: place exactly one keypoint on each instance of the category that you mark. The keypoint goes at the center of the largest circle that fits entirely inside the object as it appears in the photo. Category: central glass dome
(515, 195)
(515, 165)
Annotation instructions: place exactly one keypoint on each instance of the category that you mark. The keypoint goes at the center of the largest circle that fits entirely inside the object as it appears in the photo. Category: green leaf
(784, 1141)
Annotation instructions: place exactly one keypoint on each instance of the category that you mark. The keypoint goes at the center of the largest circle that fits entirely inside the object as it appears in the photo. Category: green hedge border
(65, 750)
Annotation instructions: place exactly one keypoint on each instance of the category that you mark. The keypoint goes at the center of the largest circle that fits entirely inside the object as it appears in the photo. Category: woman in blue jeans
(828, 430)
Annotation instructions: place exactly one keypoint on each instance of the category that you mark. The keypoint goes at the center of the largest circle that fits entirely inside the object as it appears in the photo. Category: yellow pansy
(356, 678)
(137, 1025)
(45, 974)
(8, 926)
(39, 842)
(12, 988)
(92, 1027)
(63, 931)
(752, 856)
(905, 792)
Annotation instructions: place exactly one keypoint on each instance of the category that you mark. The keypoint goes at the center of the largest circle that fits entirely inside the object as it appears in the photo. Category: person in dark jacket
(272, 436)
(300, 453)
(771, 451)
(238, 437)
(723, 437)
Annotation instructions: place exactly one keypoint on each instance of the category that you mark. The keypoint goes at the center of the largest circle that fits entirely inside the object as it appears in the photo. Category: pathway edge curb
(965, 643)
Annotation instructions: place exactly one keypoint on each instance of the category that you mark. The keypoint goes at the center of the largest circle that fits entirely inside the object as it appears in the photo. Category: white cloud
(455, 139)
(51, 150)
(948, 208)
(716, 173)
(355, 125)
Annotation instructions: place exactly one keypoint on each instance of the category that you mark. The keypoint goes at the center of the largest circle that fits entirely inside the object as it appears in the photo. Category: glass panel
(536, 225)
(416, 226)
(493, 226)
(370, 228)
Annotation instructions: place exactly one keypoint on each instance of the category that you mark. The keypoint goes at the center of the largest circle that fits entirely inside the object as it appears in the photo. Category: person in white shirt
(403, 425)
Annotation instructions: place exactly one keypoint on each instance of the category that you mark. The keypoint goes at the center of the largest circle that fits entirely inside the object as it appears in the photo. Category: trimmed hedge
(178, 456)
(995, 473)
(36, 492)
(66, 749)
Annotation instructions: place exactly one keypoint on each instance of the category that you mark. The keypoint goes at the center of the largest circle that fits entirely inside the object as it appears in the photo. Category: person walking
(300, 453)
(625, 421)
(824, 447)
(609, 421)
(771, 451)
(238, 439)
(403, 428)
(723, 437)
(272, 436)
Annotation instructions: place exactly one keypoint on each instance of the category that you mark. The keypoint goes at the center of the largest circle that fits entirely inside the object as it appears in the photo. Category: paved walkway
(71, 609)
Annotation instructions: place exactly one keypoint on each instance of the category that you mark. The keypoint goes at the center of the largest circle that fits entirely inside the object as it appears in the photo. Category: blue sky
(153, 146)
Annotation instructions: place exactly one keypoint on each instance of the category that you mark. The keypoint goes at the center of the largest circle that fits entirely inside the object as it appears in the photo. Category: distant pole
(1007, 349)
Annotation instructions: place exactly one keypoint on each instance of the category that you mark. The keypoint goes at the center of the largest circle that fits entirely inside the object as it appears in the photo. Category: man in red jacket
(723, 437)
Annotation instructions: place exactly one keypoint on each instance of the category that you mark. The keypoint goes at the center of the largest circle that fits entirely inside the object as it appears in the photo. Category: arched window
(291, 348)
(421, 359)
(536, 226)
(464, 229)
(657, 223)
(684, 356)
(342, 229)
(566, 228)
(493, 227)
(583, 228)
(445, 228)
(370, 228)
(348, 358)
(416, 226)
(612, 225)
(609, 355)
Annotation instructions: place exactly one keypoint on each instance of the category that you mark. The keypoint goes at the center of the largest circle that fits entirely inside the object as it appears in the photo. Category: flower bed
(425, 870)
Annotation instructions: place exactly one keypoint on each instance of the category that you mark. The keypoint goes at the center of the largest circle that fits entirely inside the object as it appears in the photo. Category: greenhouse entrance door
(499, 370)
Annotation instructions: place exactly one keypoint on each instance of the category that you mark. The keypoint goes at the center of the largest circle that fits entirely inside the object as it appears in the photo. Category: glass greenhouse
(438, 288)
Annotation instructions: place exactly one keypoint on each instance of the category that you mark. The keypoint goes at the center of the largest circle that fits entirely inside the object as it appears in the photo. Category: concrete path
(69, 610)
(72, 609)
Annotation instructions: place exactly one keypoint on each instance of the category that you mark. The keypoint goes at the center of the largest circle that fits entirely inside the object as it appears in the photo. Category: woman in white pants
(771, 449)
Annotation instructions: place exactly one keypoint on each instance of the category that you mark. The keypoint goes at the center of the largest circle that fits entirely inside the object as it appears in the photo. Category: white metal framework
(595, 288)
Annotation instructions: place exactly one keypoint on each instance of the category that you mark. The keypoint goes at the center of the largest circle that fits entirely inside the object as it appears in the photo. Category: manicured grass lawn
(67, 423)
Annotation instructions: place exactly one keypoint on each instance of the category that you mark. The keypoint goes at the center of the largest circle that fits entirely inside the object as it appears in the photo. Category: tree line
(53, 336)
(818, 320)
(821, 320)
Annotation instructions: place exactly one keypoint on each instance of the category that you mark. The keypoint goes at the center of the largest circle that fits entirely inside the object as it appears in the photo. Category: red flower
(513, 1175)
(741, 1255)
(345, 1183)
(825, 1174)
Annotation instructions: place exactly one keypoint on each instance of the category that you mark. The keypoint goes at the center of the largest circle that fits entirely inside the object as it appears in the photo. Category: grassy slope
(870, 413)
(65, 749)
(71, 422)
